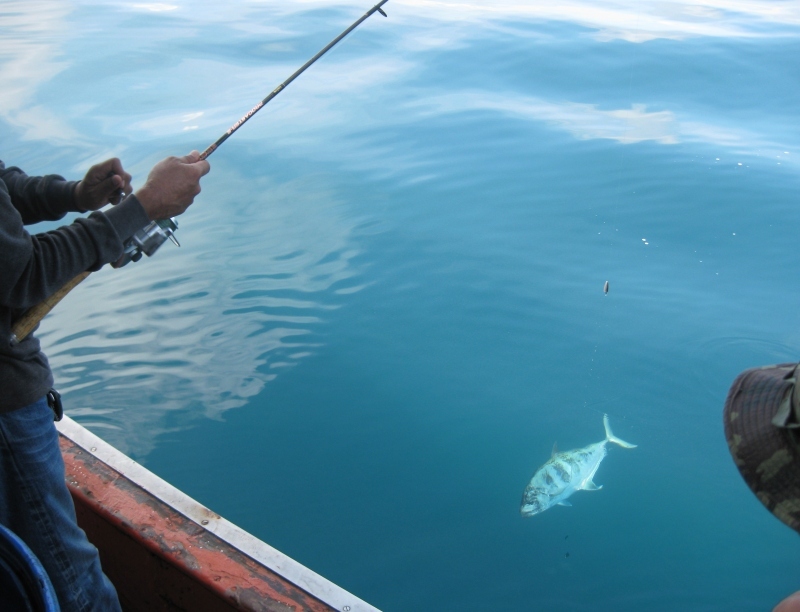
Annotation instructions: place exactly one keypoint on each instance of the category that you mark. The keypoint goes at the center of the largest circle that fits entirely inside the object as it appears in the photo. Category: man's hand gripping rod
(150, 238)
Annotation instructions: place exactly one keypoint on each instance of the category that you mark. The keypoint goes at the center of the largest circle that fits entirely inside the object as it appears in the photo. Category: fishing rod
(297, 73)
(148, 239)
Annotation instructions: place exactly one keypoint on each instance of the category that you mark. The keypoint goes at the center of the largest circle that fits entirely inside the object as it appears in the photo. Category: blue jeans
(36, 505)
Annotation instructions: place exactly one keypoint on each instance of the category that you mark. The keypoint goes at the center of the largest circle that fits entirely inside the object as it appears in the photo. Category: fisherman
(762, 426)
(34, 500)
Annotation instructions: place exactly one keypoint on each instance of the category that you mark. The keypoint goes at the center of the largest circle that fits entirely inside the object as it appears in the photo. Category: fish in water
(566, 473)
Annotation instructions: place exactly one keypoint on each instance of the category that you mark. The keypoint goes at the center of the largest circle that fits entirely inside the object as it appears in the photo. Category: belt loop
(54, 401)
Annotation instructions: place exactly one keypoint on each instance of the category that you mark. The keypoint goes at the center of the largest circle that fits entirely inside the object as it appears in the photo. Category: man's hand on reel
(104, 183)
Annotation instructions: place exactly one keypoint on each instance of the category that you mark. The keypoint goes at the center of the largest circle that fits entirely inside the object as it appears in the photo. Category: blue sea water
(388, 303)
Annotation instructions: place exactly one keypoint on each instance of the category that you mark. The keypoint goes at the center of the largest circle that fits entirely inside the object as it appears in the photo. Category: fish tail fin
(610, 437)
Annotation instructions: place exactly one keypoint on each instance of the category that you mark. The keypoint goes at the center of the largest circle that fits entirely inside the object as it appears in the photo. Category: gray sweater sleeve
(35, 266)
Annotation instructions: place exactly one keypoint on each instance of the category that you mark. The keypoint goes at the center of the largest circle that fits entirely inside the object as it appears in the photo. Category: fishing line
(147, 240)
(610, 224)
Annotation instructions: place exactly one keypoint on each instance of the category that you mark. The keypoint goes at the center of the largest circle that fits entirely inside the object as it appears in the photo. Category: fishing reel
(147, 241)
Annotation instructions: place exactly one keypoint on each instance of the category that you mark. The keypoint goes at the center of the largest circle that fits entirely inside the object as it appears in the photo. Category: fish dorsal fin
(555, 450)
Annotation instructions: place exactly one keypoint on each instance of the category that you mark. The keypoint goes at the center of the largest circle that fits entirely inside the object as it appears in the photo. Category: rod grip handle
(31, 317)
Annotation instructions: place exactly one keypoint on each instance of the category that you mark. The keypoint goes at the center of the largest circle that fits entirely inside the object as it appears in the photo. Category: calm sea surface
(389, 302)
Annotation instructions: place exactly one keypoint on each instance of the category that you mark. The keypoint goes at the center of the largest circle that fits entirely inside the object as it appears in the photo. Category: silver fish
(566, 473)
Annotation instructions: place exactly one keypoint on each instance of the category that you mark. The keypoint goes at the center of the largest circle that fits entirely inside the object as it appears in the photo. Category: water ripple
(196, 330)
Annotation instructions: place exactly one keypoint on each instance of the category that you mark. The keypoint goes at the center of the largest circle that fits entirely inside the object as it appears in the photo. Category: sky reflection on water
(38, 45)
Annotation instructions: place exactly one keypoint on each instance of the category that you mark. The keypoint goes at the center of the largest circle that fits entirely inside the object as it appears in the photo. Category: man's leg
(35, 504)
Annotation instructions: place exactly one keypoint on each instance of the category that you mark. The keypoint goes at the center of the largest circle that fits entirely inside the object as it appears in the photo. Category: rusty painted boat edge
(205, 519)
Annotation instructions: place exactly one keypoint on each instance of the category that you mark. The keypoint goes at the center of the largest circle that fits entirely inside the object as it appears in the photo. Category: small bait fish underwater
(565, 473)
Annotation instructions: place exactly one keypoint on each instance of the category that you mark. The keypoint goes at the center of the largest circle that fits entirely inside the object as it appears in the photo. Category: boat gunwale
(284, 566)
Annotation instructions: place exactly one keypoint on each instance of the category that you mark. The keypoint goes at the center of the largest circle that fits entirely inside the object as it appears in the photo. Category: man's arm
(49, 198)
(38, 198)
(34, 267)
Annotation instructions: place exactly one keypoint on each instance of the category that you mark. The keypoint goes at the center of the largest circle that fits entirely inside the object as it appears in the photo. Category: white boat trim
(296, 573)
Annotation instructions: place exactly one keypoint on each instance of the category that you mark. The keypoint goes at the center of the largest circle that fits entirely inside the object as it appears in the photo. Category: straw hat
(762, 426)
